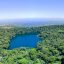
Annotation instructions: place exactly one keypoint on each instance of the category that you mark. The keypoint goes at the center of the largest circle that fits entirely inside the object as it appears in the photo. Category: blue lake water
(28, 40)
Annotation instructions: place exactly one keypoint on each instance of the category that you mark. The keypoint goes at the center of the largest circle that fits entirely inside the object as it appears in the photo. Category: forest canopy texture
(50, 50)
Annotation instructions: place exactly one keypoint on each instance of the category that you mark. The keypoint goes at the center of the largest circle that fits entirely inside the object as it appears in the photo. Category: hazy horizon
(29, 12)
(32, 22)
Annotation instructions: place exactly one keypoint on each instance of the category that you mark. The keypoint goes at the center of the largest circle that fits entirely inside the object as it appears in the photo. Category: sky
(21, 9)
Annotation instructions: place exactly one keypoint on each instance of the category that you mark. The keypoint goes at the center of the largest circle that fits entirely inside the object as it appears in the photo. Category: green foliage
(37, 61)
(33, 54)
(23, 61)
(48, 51)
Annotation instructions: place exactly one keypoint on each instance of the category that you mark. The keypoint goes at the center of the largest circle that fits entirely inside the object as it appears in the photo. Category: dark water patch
(26, 40)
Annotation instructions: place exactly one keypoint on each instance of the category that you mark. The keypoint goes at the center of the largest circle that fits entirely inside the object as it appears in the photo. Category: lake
(27, 40)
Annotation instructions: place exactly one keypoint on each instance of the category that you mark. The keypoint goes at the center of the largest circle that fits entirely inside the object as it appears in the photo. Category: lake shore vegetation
(48, 51)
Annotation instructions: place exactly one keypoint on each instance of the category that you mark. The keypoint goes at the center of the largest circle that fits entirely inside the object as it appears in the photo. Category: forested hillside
(48, 51)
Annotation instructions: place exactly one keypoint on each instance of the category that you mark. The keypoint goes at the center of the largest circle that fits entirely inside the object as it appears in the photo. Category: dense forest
(48, 51)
